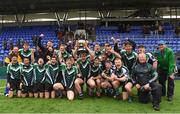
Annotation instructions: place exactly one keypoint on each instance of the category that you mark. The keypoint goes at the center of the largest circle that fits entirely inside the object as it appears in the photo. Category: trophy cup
(81, 48)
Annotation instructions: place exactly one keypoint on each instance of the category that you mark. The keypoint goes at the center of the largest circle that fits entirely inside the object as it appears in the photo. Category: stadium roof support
(35, 6)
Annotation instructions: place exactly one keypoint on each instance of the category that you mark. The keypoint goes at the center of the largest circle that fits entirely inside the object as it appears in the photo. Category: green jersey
(63, 55)
(97, 53)
(111, 57)
(108, 73)
(84, 68)
(96, 70)
(121, 72)
(150, 58)
(52, 73)
(39, 72)
(129, 59)
(27, 75)
(13, 72)
(25, 54)
(69, 76)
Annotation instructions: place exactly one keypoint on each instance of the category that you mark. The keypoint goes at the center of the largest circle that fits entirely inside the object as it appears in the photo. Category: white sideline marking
(2, 87)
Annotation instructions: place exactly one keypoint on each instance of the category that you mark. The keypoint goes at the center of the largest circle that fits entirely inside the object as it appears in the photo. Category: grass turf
(88, 105)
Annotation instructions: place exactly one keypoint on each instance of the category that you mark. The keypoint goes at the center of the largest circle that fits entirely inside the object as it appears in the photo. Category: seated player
(39, 78)
(13, 77)
(121, 78)
(27, 78)
(107, 78)
(51, 75)
(94, 81)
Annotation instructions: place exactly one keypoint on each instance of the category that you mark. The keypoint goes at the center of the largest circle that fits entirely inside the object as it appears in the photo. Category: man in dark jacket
(144, 77)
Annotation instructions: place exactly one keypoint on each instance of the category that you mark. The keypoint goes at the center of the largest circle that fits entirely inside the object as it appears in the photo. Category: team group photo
(75, 57)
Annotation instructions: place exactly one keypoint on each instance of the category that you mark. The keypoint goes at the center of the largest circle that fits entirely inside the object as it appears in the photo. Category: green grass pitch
(88, 105)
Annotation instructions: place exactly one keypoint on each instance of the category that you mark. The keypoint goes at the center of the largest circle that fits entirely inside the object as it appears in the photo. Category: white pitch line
(2, 87)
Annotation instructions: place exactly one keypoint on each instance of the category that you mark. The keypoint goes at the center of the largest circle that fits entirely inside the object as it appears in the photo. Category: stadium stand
(103, 35)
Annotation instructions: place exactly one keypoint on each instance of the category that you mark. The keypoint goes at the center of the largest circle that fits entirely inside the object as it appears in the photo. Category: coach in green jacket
(166, 68)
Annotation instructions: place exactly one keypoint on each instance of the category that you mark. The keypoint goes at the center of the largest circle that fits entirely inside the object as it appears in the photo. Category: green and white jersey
(69, 75)
(111, 57)
(51, 74)
(63, 55)
(84, 68)
(108, 72)
(129, 59)
(24, 54)
(97, 53)
(150, 58)
(39, 73)
(27, 75)
(96, 70)
(121, 72)
(13, 72)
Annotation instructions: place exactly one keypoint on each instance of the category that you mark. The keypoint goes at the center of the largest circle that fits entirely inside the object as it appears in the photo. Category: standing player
(149, 57)
(13, 76)
(111, 54)
(51, 75)
(39, 77)
(62, 53)
(84, 68)
(69, 73)
(27, 78)
(25, 52)
(97, 50)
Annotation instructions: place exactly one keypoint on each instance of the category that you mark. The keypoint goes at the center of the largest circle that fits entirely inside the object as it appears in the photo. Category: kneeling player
(39, 77)
(95, 80)
(121, 78)
(145, 77)
(13, 77)
(27, 78)
(107, 78)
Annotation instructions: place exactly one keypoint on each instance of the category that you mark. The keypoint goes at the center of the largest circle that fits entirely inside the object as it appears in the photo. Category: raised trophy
(82, 41)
